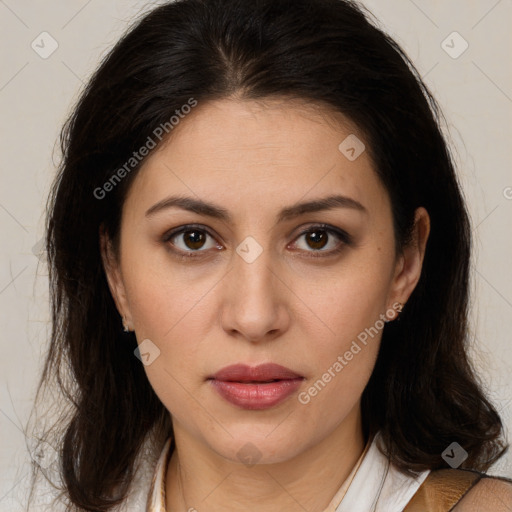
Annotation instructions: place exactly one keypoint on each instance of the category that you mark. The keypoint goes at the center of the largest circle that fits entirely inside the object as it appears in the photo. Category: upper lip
(262, 372)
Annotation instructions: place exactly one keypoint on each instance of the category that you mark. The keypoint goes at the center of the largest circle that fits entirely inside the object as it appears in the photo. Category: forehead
(277, 128)
(260, 153)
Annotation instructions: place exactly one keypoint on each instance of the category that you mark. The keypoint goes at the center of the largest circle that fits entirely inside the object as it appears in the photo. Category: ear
(112, 269)
(410, 262)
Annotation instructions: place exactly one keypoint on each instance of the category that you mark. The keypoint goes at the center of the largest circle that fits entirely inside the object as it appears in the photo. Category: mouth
(255, 388)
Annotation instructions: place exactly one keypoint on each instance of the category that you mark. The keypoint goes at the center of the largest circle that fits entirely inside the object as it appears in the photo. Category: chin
(250, 447)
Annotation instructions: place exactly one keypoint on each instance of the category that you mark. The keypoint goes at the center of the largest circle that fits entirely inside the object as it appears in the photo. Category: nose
(254, 299)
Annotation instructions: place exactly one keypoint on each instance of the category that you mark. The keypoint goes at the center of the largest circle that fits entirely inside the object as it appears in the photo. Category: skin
(284, 307)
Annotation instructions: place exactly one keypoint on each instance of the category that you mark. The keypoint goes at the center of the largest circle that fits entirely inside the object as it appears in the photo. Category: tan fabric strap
(442, 490)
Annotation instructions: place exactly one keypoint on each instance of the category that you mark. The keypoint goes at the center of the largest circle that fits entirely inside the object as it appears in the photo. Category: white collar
(377, 485)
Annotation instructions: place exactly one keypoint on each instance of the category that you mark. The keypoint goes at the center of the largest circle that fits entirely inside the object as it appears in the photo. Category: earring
(399, 308)
(125, 325)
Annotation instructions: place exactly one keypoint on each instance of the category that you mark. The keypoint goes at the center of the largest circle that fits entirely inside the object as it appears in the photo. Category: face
(253, 278)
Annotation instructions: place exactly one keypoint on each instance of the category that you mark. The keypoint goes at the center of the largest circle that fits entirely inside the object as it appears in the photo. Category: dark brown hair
(423, 393)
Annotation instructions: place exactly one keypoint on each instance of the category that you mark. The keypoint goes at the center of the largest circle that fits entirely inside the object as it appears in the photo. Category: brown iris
(317, 239)
(194, 239)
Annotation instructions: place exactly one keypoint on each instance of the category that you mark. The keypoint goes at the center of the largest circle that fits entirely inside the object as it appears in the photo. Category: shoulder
(493, 494)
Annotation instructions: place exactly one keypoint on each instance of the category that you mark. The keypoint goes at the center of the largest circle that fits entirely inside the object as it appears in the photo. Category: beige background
(36, 94)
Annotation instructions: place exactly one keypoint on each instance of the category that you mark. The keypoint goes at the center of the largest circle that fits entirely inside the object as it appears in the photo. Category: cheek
(162, 293)
(345, 352)
(346, 328)
(173, 315)
(171, 306)
(347, 299)
(169, 314)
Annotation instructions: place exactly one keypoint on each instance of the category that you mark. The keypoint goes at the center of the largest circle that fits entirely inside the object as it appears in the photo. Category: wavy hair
(423, 393)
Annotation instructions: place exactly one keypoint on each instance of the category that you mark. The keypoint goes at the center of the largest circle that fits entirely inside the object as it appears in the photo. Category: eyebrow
(211, 210)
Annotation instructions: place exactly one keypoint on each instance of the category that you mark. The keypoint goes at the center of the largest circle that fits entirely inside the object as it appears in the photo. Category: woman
(259, 260)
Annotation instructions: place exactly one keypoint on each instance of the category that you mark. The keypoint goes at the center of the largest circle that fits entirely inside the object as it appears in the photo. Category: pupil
(318, 238)
(195, 239)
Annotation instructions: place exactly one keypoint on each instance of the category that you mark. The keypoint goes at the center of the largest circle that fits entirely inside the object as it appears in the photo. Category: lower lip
(256, 396)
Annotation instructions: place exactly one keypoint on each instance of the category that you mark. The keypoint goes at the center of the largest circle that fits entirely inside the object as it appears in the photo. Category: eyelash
(345, 238)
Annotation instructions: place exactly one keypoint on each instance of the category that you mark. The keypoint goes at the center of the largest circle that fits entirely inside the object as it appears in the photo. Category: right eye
(189, 239)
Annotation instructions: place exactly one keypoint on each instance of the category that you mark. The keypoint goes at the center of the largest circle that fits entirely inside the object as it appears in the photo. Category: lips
(255, 388)
(262, 373)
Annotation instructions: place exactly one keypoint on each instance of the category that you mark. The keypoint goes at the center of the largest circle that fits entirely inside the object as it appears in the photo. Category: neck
(307, 480)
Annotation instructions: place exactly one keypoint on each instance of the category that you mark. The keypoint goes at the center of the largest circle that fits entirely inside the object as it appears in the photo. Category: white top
(374, 485)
